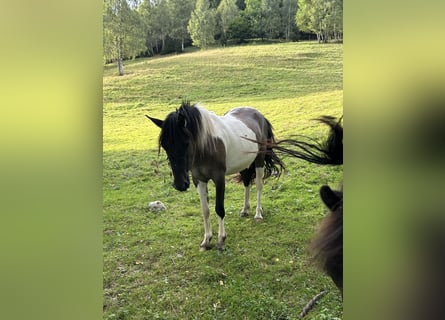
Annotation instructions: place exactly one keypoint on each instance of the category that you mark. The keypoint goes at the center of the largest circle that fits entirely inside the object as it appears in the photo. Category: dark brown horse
(212, 147)
(327, 245)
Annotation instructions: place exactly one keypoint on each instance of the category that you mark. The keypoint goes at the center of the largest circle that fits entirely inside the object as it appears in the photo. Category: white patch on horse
(203, 197)
(205, 139)
(232, 132)
(259, 188)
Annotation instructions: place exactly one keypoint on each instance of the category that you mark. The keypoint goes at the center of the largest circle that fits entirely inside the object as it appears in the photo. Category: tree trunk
(288, 26)
(120, 64)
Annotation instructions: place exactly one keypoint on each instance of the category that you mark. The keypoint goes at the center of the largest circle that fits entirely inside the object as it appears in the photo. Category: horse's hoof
(244, 214)
(204, 248)
(258, 219)
(220, 248)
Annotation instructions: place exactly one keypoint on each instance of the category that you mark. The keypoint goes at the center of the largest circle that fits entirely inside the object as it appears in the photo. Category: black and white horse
(212, 147)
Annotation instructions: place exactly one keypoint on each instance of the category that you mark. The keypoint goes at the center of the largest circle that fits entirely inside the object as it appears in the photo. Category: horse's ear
(182, 121)
(330, 198)
(157, 122)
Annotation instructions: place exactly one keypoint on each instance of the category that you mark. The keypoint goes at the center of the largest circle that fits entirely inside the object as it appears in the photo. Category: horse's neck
(208, 120)
(205, 139)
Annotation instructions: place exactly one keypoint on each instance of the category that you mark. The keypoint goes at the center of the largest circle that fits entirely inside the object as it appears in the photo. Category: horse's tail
(273, 166)
(329, 151)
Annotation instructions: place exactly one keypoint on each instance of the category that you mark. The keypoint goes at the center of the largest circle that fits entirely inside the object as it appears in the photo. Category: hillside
(152, 265)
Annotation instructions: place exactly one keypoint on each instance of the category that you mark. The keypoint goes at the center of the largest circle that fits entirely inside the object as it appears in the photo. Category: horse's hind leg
(204, 198)
(246, 207)
(259, 172)
(246, 177)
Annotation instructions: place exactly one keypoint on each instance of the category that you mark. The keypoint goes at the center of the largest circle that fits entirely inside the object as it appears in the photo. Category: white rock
(157, 206)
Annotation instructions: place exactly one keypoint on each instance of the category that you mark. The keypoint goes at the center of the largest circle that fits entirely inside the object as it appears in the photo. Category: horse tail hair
(329, 151)
(273, 166)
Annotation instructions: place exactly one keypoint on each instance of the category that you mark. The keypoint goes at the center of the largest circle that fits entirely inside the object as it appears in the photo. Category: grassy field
(153, 268)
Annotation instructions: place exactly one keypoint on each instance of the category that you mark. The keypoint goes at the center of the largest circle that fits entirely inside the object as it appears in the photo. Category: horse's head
(175, 139)
(332, 199)
(327, 246)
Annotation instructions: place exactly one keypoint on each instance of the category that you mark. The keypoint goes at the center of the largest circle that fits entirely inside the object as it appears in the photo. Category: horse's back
(235, 134)
(251, 117)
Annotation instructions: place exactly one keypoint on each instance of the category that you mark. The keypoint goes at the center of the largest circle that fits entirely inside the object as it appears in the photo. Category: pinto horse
(327, 245)
(212, 147)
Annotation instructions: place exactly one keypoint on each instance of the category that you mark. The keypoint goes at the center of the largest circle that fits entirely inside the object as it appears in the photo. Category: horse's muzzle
(181, 186)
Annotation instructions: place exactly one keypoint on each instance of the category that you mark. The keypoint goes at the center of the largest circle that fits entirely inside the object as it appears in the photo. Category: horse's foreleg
(259, 172)
(204, 198)
(220, 189)
(222, 235)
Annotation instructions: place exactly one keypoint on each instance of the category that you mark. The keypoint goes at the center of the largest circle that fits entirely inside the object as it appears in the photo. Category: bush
(240, 29)
(171, 46)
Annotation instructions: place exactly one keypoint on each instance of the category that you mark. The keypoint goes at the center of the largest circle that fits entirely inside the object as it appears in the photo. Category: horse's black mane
(188, 117)
(329, 151)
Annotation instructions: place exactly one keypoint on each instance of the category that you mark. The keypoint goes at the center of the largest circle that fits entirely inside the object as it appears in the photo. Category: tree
(157, 21)
(180, 12)
(214, 3)
(227, 12)
(322, 17)
(302, 17)
(256, 13)
(288, 12)
(337, 19)
(272, 19)
(147, 11)
(122, 32)
(240, 28)
(241, 4)
(202, 24)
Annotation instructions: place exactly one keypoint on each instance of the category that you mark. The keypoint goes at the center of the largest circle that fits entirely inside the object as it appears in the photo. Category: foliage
(135, 28)
(227, 12)
(158, 21)
(123, 32)
(256, 13)
(240, 28)
(288, 12)
(322, 17)
(241, 4)
(180, 11)
(202, 24)
(152, 265)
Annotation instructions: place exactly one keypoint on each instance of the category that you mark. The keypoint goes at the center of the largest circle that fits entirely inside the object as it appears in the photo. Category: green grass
(153, 268)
